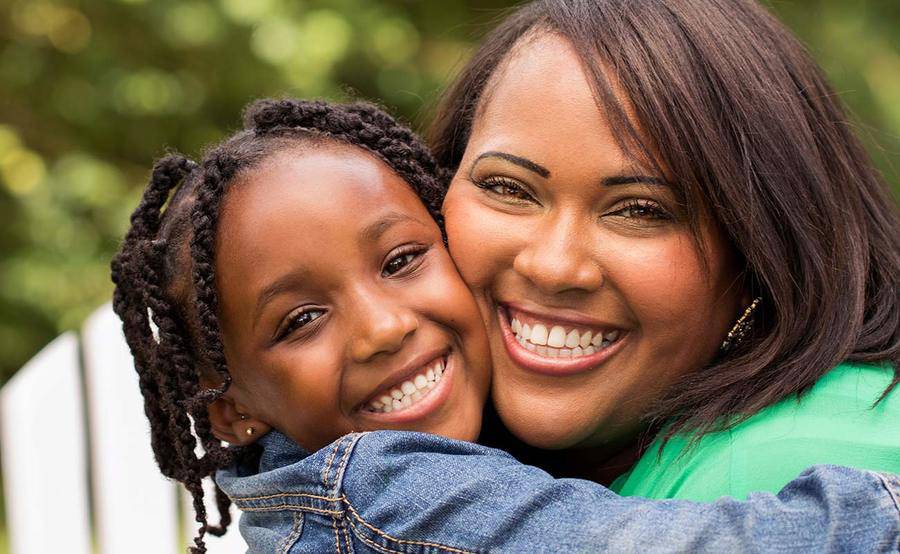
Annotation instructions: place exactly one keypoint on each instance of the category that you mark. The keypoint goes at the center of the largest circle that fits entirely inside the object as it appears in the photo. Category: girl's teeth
(557, 342)
(410, 391)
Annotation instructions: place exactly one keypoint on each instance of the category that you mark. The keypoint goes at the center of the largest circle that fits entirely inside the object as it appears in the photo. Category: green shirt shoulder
(835, 422)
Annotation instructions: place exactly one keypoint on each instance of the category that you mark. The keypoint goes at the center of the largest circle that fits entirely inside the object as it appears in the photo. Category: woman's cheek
(479, 240)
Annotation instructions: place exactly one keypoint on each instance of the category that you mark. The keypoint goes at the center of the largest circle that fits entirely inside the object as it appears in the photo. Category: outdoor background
(92, 91)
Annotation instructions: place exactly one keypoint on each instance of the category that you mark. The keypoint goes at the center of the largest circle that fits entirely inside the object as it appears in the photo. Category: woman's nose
(381, 326)
(558, 259)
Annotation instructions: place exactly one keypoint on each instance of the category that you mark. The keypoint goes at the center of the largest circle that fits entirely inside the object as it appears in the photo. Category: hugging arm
(415, 491)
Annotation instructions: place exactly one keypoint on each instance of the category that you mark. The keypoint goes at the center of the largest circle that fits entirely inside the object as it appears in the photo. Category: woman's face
(594, 292)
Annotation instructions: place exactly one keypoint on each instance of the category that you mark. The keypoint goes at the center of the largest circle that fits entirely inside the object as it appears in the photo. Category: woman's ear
(233, 423)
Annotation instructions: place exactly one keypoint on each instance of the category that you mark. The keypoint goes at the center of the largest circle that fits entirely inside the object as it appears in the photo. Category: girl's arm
(390, 491)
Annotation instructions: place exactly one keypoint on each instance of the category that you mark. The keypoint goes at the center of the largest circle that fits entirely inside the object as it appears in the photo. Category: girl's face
(340, 308)
(595, 295)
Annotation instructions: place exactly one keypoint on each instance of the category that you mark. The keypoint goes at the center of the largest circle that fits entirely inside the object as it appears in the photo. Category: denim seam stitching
(284, 494)
(347, 540)
(895, 496)
(339, 473)
(375, 545)
(292, 537)
(337, 536)
(291, 508)
(327, 467)
(399, 541)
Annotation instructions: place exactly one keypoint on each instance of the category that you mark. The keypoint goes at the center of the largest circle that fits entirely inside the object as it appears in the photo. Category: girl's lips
(551, 366)
(429, 403)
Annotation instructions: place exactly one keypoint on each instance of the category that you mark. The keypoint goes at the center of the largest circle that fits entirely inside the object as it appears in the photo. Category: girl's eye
(299, 320)
(504, 187)
(403, 260)
(642, 209)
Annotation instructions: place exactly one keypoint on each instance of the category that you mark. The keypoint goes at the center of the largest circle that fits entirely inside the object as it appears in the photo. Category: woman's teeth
(555, 341)
(409, 392)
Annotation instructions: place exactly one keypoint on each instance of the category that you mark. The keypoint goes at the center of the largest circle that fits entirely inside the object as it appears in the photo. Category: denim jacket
(405, 492)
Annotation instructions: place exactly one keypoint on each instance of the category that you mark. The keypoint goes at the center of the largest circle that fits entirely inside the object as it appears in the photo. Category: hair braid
(164, 245)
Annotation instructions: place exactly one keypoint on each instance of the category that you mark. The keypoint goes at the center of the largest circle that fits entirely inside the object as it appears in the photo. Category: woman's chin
(532, 427)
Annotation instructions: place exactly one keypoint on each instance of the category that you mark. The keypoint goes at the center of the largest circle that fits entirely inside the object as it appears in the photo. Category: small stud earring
(243, 417)
(250, 431)
(741, 328)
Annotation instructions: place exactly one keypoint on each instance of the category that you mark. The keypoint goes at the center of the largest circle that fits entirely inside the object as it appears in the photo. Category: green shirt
(832, 423)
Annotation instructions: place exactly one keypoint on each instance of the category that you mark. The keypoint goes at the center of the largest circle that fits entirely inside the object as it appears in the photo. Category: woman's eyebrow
(632, 179)
(518, 160)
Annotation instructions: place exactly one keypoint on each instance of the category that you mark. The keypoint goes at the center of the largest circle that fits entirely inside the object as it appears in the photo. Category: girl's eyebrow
(373, 231)
(282, 284)
(534, 167)
(370, 233)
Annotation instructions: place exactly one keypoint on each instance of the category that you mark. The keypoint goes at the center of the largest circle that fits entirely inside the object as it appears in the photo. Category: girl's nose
(382, 325)
(557, 259)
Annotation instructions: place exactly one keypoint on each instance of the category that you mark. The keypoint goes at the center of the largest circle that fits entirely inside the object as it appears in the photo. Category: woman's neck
(601, 464)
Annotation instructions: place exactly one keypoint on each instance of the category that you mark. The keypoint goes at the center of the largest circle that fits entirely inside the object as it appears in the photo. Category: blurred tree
(91, 91)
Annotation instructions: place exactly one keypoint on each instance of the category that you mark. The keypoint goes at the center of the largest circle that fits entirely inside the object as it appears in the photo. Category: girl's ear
(232, 423)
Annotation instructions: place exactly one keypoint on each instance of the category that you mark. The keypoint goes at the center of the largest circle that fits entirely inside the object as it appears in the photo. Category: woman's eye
(504, 187)
(637, 209)
(299, 320)
(399, 262)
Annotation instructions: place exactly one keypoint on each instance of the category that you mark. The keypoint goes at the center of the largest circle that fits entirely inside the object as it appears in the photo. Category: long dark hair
(738, 113)
(164, 271)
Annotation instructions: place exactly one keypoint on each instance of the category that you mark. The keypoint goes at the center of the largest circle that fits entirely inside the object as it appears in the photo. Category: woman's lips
(556, 347)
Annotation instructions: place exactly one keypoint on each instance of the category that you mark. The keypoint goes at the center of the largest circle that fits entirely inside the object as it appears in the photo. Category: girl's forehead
(331, 182)
(315, 205)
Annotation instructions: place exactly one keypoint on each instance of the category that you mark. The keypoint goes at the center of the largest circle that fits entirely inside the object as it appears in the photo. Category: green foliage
(92, 91)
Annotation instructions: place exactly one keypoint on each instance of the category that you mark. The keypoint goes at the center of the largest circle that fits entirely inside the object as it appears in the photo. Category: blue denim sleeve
(411, 492)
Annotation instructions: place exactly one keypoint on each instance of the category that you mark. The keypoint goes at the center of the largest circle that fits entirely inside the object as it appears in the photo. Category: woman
(679, 179)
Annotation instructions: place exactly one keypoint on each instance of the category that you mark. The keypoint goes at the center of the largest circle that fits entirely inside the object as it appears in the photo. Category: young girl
(299, 281)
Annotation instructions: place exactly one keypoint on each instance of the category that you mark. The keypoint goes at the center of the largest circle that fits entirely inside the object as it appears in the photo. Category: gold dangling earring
(250, 430)
(741, 327)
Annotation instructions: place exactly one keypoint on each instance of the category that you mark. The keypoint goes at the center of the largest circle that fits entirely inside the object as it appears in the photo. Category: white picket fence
(63, 495)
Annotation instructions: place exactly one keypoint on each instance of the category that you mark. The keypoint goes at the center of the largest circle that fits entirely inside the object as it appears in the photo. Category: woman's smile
(556, 344)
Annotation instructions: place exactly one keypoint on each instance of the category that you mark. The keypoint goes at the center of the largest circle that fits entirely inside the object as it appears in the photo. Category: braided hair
(164, 272)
